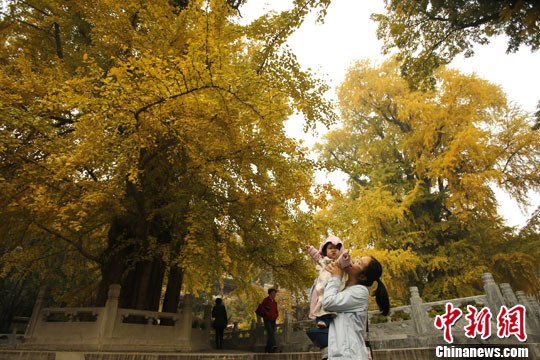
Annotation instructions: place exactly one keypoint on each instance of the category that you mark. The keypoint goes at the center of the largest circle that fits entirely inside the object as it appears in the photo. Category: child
(328, 252)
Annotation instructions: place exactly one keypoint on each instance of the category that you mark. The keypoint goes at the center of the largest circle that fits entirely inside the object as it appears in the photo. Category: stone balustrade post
(287, 327)
(493, 293)
(535, 305)
(420, 317)
(509, 297)
(108, 316)
(185, 325)
(253, 332)
(533, 325)
(207, 319)
(258, 333)
(235, 334)
(41, 302)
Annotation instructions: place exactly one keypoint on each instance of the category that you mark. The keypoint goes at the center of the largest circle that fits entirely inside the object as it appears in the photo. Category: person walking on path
(270, 314)
(219, 313)
(345, 340)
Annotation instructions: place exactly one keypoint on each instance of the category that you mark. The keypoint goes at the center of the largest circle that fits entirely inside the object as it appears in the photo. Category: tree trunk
(114, 262)
(141, 281)
(145, 286)
(174, 285)
(111, 273)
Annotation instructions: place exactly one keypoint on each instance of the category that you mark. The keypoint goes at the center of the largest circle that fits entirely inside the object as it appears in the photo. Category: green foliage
(523, 266)
(441, 309)
(18, 293)
(400, 315)
(436, 310)
(378, 319)
(429, 34)
(464, 306)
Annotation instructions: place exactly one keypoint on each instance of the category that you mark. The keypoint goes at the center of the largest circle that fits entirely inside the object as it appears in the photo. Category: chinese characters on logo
(509, 322)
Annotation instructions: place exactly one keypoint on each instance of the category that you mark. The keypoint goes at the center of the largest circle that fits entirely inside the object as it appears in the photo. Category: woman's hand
(334, 269)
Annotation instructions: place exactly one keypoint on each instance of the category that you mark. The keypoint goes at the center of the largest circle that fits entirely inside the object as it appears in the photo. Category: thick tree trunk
(111, 273)
(114, 264)
(156, 283)
(143, 286)
(174, 285)
(141, 282)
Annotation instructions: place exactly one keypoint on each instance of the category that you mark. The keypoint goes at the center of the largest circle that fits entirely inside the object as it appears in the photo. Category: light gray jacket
(345, 340)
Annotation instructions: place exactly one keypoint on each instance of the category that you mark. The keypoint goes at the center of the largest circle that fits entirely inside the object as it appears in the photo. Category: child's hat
(332, 239)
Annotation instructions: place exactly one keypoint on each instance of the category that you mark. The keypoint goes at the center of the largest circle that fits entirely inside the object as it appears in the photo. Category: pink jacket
(315, 306)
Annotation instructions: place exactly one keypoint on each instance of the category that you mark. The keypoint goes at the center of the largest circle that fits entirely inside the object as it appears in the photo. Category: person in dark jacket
(219, 313)
(270, 313)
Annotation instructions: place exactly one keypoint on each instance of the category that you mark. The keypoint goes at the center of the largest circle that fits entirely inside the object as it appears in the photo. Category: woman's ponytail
(373, 272)
(381, 298)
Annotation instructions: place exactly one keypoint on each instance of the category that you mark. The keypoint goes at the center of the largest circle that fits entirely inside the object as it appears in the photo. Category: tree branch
(24, 22)
(37, 9)
(58, 41)
(162, 100)
(76, 244)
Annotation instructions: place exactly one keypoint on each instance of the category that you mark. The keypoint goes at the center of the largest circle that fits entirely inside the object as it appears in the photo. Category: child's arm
(344, 260)
(314, 253)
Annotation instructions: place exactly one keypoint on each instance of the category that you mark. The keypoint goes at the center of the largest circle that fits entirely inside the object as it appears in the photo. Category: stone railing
(415, 328)
(113, 328)
(410, 326)
(16, 331)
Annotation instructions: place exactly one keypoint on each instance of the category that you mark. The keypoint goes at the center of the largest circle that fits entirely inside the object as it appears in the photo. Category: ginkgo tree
(422, 168)
(428, 34)
(145, 140)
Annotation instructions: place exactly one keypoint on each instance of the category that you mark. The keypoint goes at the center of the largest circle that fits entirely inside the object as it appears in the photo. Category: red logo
(509, 322)
(447, 320)
(479, 322)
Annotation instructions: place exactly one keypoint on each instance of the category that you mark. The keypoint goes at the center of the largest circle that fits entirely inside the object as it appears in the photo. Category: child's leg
(323, 321)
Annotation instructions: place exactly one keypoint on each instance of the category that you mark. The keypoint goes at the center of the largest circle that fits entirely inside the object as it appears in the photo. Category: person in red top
(270, 313)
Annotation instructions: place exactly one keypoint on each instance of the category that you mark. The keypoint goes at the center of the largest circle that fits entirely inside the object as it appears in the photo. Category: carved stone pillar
(207, 319)
(420, 317)
(41, 302)
(108, 317)
(493, 293)
(535, 306)
(287, 328)
(185, 325)
(533, 325)
(509, 297)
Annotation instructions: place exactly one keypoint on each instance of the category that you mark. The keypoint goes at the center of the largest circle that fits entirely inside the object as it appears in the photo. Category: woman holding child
(345, 340)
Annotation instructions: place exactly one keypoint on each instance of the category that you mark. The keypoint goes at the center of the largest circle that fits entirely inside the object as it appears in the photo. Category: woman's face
(358, 266)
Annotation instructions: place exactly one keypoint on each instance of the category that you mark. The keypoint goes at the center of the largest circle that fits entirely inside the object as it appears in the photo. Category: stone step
(427, 353)
(231, 355)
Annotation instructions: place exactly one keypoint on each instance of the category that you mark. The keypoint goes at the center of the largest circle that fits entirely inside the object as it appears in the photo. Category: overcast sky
(348, 34)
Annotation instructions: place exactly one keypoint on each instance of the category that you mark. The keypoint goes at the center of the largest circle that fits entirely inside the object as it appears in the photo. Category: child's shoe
(321, 324)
